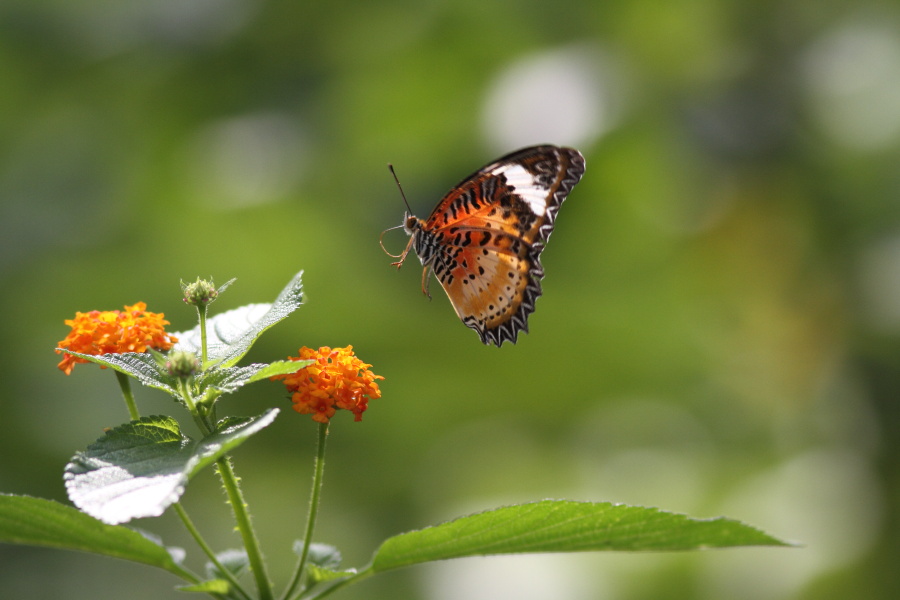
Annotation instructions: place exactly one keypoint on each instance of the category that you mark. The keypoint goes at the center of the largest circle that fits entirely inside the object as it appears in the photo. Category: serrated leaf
(232, 431)
(231, 334)
(565, 526)
(140, 365)
(39, 522)
(281, 367)
(139, 469)
(233, 378)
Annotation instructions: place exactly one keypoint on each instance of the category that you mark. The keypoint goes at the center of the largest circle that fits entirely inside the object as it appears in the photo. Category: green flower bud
(199, 293)
(182, 364)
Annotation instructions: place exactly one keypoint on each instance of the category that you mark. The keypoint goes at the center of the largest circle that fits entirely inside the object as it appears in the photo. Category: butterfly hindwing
(484, 239)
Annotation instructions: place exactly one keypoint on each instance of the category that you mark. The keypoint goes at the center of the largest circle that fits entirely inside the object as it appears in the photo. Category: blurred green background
(719, 327)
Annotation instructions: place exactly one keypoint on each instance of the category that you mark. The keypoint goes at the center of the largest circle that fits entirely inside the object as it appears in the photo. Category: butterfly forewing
(484, 239)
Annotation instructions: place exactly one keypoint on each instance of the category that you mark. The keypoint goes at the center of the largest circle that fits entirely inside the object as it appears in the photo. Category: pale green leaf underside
(139, 469)
(140, 365)
(565, 526)
(39, 522)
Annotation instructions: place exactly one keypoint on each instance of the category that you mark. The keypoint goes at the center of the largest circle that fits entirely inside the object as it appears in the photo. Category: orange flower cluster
(114, 332)
(337, 379)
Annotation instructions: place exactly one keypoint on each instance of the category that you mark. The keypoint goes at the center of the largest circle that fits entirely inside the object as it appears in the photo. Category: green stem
(204, 426)
(236, 499)
(195, 533)
(315, 495)
(187, 397)
(201, 311)
(242, 517)
(125, 384)
(202, 417)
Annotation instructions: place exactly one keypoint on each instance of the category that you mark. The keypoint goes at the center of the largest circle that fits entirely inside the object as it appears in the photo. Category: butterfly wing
(484, 239)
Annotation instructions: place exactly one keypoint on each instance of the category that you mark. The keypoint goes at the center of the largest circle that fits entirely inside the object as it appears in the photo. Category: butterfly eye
(412, 223)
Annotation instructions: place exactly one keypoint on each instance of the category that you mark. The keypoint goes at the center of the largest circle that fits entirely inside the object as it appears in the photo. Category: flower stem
(242, 517)
(236, 499)
(201, 312)
(315, 495)
(203, 416)
(125, 385)
(195, 533)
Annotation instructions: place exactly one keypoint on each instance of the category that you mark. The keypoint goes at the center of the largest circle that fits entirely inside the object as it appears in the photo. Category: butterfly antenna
(402, 255)
(399, 187)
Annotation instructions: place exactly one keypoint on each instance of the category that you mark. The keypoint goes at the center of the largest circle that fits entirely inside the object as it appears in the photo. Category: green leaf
(323, 563)
(229, 380)
(317, 574)
(141, 365)
(139, 469)
(323, 555)
(39, 522)
(565, 526)
(210, 586)
(231, 334)
(282, 367)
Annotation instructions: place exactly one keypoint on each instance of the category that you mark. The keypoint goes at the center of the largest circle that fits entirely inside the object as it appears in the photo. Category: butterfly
(484, 239)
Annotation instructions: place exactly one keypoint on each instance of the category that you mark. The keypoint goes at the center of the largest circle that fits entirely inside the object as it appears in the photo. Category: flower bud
(199, 293)
(182, 364)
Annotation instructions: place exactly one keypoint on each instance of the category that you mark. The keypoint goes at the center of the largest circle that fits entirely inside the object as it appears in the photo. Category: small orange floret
(337, 379)
(114, 332)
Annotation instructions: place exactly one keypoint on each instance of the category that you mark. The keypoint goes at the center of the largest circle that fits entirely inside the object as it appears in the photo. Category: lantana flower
(338, 379)
(113, 332)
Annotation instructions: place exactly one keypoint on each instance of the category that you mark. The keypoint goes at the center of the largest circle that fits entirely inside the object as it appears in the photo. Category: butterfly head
(411, 223)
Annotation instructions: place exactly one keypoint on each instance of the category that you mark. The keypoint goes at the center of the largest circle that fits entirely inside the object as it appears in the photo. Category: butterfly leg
(402, 255)
(426, 278)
